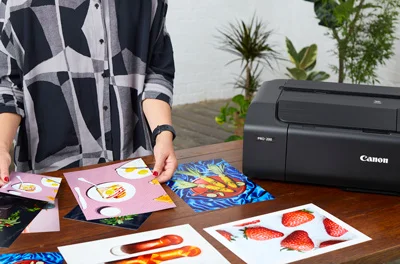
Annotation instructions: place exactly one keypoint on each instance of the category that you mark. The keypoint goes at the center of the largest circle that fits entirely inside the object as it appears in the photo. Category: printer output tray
(343, 158)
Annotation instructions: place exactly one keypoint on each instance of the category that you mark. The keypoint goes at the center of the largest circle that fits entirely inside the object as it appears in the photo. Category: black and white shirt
(77, 72)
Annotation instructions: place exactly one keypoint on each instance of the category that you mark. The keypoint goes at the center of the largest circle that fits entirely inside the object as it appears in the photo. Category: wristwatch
(160, 129)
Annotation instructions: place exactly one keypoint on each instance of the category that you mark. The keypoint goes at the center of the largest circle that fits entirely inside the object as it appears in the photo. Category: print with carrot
(215, 186)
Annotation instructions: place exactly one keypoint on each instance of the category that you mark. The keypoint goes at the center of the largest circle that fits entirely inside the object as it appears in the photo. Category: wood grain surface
(377, 216)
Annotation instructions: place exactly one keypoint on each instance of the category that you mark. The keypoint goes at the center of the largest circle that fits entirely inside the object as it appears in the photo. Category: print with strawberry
(333, 229)
(227, 235)
(260, 233)
(298, 240)
(297, 218)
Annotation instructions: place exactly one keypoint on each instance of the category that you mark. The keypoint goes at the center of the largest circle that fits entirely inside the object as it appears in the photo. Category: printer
(322, 133)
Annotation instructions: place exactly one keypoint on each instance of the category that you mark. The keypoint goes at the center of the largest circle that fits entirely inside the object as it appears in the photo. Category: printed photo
(116, 190)
(286, 236)
(32, 258)
(32, 186)
(179, 244)
(129, 221)
(15, 215)
(215, 184)
(48, 220)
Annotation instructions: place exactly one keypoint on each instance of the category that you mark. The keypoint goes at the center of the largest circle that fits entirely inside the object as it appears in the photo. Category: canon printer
(323, 133)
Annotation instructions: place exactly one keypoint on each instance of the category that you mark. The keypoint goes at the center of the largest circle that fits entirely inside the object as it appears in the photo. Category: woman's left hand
(164, 154)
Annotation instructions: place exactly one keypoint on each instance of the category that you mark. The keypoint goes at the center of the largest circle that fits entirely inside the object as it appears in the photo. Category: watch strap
(162, 128)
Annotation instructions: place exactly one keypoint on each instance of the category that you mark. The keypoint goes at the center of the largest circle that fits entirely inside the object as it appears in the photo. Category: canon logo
(365, 158)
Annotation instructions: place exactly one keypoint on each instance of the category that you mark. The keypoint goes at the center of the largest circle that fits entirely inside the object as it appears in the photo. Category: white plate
(37, 187)
(51, 182)
(110, 211)
(133, 173)
(92, 193)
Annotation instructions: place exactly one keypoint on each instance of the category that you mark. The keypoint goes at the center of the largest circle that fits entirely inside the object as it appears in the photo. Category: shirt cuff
(157, 91)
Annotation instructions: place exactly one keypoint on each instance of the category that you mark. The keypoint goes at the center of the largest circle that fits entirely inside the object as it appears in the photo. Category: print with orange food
(160, 257)
(219, 185)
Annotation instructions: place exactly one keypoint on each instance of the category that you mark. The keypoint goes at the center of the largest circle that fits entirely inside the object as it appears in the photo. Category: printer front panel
(264, 144)
(343, 158)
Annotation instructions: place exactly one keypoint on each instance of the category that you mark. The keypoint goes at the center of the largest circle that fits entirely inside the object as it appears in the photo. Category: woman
(85, 82)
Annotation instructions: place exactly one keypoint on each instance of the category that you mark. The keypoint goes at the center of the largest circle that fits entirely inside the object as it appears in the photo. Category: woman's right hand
(5, 162)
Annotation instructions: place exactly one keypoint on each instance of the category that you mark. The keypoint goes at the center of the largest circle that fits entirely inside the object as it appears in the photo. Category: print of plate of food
(111, 192)
(27, 187)
(51, 182)
(133, 173)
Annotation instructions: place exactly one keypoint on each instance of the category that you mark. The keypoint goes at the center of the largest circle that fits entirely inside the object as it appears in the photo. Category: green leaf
(181, 184)
(311, 67)
(298, 74)
(344, 10)
(309, 57)
(318, 76)
(238, 99)
(294, 57)
(324, 9)
(302, 53)
(233, 138)
(221, 119)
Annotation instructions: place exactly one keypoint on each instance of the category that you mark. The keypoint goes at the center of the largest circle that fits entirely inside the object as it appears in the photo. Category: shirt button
(97, 6)
(105, 108)
(101, 41)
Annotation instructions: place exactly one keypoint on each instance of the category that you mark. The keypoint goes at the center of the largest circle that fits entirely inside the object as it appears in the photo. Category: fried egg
(133, 172)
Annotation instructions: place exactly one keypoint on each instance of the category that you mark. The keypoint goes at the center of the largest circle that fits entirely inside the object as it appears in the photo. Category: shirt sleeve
(11, 92)
(159, 81)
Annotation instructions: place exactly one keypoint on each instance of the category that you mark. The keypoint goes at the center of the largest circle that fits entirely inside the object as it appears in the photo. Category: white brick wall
(201, 73)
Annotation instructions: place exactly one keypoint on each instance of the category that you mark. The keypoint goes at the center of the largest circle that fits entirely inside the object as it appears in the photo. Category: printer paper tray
(339, 110)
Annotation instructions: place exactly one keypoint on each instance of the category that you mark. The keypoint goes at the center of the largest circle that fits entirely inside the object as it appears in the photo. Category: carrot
(215, 188)
(219, 170)
(196, 173)
(181, 184)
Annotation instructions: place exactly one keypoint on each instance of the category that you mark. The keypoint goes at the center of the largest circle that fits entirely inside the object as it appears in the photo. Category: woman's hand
(5, 162)
(164, 154)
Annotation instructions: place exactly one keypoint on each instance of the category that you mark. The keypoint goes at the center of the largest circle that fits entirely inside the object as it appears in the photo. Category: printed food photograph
(116, 190)
(32, 258)
(16, 213)
(215, 184)
(32, 186)
(129, 221)
(286, 236)
(48, 220)
(178, 244)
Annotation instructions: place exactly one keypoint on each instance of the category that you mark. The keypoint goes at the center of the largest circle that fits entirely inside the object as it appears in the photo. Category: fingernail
(6, 179)
(155, 173)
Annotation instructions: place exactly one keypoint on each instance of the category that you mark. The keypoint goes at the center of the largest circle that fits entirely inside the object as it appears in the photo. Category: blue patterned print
(46, 257)
(200, 203)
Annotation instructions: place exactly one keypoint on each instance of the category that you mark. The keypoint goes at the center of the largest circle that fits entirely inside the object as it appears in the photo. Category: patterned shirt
(77, 72)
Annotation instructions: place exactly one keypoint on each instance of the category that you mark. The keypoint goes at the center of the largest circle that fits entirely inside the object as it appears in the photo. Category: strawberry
(298, 240)
(297, 218)
(227, 235)
(333, 229)
(260, 233)
(330, 242)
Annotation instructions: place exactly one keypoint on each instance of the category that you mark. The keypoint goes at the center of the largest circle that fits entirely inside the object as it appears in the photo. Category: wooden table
(377, 216)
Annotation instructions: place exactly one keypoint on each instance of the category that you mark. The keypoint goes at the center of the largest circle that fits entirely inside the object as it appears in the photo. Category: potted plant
(304, 63)
(250, 44)
(364, 32)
